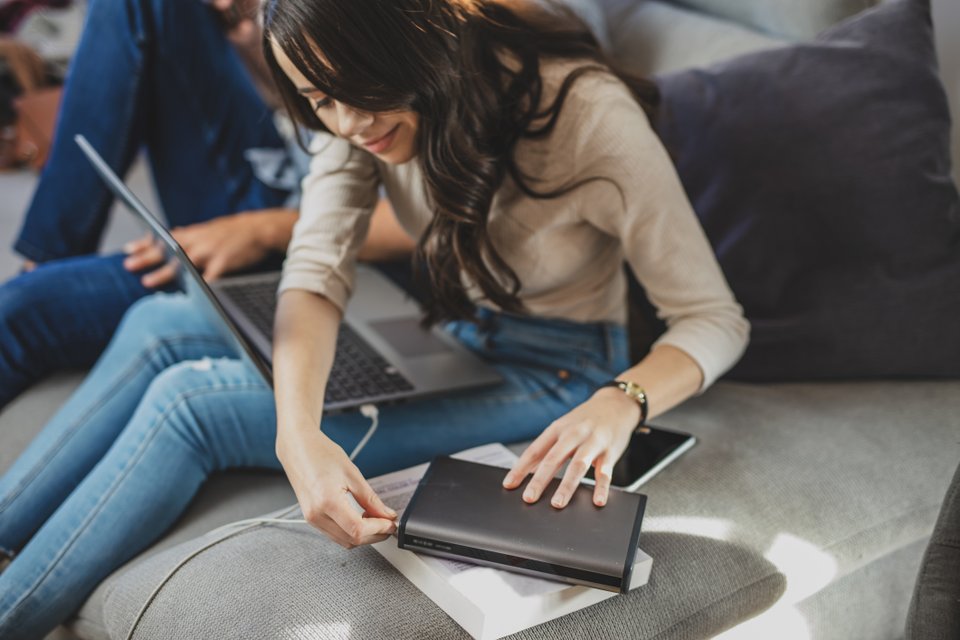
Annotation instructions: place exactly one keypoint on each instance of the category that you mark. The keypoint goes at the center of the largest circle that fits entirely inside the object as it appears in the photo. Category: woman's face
(391, 136)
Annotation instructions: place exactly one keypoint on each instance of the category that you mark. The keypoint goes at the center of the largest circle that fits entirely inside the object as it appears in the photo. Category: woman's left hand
(593, 434)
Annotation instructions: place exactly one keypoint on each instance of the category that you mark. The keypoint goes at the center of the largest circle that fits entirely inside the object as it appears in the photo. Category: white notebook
(488, 603)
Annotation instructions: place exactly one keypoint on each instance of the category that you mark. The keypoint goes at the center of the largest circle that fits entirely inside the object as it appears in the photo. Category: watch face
(633, 390)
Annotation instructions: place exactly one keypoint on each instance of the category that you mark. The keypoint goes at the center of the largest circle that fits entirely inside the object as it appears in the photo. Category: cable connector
(371, 412)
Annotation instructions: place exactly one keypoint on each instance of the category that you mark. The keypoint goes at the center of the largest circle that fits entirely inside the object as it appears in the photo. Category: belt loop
(486, 322)
(485, 319)
(608, 345)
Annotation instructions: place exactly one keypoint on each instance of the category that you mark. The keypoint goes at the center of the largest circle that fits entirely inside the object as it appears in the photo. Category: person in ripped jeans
(186, 81)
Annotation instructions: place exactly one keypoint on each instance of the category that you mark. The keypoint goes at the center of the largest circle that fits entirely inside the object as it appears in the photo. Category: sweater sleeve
(661, 236)
(339, 196)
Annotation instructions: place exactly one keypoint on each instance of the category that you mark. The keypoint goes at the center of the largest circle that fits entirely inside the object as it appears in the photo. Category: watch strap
(634, 391)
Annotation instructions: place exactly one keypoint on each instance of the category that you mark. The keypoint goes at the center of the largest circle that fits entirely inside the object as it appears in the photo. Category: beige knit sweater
(567, 252)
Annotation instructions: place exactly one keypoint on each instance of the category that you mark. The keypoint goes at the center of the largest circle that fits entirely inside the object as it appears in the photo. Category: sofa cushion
(226, 497)
(592, 15)
(654, 37)
(821, 173)
(791, 489)
(934, 610)
(787, 18)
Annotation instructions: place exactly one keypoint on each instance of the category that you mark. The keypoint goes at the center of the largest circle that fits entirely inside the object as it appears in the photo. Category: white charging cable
(368, 411)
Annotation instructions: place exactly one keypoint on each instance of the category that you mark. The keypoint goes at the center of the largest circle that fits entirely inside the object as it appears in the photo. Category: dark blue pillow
(821, 173)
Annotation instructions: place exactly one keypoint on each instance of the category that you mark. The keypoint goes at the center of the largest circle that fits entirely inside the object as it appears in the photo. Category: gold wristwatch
(635, 391)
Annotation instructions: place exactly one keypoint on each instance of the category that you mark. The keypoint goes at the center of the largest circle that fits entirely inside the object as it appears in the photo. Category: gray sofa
(803, 512)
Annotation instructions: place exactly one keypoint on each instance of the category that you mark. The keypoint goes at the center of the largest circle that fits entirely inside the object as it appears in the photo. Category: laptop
(383, 354)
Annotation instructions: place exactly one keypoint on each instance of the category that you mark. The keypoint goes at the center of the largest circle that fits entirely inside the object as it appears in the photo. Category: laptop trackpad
(407, 337)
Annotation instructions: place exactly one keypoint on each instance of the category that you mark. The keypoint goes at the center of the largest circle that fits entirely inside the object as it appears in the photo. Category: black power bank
(460, 510)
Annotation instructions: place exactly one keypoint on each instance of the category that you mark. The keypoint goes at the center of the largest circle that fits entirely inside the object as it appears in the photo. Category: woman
(527, 170)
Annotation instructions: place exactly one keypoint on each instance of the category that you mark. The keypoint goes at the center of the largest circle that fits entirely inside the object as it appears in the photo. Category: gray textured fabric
(791, 489)
(935, 609)
(592, 15)
(227, 497)
(789, 18)
(656, 37)
(318, 590)
(869, 603)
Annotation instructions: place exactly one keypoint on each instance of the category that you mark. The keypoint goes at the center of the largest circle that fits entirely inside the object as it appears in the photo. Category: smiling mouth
(381, 143)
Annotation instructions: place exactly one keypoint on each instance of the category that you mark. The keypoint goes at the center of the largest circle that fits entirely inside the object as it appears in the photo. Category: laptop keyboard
(358, 370)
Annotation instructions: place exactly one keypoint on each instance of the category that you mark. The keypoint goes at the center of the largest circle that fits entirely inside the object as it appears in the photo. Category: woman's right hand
(324, 479)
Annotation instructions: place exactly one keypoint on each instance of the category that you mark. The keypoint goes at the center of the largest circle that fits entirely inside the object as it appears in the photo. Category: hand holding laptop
(218, 246)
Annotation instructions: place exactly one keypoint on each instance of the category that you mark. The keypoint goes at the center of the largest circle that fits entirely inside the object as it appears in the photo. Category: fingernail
(391, 512)
(507, 479)
(559, 500)
(529, 495)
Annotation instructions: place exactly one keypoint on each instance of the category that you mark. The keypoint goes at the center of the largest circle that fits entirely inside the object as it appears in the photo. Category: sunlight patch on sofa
(714, 528)
(808, 570)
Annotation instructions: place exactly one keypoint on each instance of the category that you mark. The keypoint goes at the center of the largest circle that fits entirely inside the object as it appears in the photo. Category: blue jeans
(141, 76)
(168, 404)
(158, 73)
(60, 316)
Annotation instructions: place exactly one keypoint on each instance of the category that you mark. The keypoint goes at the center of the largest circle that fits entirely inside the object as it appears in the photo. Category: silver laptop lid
(384, 317)
(191, 281)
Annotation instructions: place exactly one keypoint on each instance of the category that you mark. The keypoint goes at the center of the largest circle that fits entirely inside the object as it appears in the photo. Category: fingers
(160, 277)
(137, 245)
(531, 457)
(357, 529)
(583, 442)
(368, 499)
(223, 244)
(338, 517)
(548, 468)
(330, 528)
(579, 464)
(215, 268)
(202, 248)
(603, 474)
(341, 522)
(142, 254)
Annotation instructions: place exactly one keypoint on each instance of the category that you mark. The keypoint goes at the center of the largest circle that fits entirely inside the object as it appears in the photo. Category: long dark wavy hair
(446, 61)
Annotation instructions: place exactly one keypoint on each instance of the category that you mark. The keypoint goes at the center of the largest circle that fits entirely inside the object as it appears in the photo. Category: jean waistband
(606, 340)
